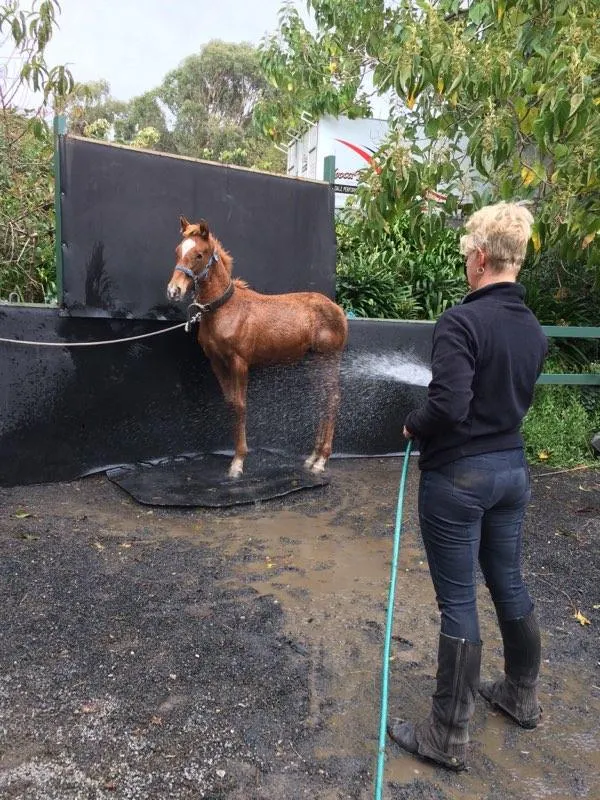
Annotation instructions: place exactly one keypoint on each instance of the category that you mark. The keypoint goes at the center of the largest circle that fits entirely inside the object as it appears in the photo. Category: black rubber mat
(202, 480)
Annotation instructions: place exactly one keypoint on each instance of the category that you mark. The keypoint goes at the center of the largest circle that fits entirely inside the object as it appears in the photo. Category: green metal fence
(564, 378)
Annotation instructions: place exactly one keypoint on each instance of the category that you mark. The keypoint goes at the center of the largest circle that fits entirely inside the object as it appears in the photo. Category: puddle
(327, 562)
(332, 583)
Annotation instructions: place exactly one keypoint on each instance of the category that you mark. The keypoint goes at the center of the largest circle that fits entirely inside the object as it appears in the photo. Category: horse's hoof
(236, 469)
(319, 466)
(310, 461)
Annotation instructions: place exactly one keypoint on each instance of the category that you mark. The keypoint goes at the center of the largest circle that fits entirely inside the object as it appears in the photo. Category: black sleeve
(452, 368)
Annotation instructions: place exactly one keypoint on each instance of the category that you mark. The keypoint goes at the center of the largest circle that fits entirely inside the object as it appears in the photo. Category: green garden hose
(388, 628)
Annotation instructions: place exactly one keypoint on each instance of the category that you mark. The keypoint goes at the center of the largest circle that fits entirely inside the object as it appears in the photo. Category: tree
(489, 100)
(210, 98)
(224, 80)
(89, 102)
(91, 111)
(141, 115)
(26, 78)
(202, 109)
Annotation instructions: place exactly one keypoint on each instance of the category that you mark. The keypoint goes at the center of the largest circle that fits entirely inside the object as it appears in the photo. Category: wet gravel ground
(174, 653)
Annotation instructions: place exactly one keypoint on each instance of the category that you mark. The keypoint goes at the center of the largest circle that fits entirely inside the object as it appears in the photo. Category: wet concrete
(237, 654)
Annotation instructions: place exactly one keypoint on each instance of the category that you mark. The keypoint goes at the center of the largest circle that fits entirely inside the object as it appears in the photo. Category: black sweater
(487, 355)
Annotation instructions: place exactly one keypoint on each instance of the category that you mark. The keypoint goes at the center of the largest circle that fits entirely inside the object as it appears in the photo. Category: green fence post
(60, 128)
(329, 169)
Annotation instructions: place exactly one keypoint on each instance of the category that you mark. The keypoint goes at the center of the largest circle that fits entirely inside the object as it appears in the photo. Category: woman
(487, 355)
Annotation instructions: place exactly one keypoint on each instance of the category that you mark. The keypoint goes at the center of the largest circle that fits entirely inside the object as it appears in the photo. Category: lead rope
(94, 344)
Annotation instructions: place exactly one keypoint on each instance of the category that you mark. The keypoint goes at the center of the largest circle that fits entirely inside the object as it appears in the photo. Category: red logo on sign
(368, 156)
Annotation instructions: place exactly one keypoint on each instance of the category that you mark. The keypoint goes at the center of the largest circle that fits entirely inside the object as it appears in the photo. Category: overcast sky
(134, 43)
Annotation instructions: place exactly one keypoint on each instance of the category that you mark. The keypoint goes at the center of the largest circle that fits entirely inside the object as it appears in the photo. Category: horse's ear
(184, 224)
(203, 229)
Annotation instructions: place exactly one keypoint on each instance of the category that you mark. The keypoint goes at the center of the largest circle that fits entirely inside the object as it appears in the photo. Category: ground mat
(202, 480)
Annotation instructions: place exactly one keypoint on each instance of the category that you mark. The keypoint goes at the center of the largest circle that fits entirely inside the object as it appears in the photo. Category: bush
(562, 420)
(368, 285)
(390, 275)
(27, 259)
(561, 294)
(558, 428)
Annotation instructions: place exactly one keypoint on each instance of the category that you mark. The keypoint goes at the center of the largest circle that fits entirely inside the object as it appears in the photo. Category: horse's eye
(199, 256)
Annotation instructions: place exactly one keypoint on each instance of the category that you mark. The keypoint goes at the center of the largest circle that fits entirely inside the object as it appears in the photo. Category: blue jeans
(472, 510)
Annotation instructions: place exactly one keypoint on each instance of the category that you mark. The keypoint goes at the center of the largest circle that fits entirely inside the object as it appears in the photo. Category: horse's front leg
(233, 379)
(239, 377)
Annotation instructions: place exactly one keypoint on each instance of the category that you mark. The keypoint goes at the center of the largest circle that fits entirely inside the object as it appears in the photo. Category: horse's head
(195, 255)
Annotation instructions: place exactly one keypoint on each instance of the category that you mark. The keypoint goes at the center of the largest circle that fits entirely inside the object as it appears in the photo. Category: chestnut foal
(239, 328)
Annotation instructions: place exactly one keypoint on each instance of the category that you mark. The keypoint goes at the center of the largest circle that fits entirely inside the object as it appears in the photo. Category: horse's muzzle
(174, 292)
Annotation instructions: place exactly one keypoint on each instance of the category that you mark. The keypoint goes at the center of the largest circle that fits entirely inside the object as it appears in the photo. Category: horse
(239, 328)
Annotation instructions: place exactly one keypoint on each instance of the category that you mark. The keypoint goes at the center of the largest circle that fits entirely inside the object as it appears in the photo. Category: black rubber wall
(120, 226)
(68, 412)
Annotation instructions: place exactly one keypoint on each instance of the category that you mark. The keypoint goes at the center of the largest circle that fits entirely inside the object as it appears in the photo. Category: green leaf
(540, 49)
(576, 124)
(38, 128)
(576, 101)
(562, 115)
(561, 151)
(527, 80)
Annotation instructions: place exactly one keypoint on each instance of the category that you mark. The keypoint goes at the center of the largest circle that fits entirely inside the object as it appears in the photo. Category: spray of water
(398, 367)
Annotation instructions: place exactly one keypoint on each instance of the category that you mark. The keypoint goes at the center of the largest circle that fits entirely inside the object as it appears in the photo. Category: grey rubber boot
(516, 693)
(444, 735)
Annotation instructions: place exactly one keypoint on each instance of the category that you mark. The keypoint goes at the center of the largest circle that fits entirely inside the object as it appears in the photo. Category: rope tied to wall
(93, 344)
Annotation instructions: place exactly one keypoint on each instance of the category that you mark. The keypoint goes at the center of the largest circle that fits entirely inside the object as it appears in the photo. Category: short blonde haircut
(502, 232)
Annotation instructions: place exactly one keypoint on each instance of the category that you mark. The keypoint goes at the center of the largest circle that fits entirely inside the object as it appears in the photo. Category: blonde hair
(502, 232)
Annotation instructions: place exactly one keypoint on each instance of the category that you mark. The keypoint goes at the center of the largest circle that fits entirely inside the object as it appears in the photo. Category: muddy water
(332, 581)
(333, 587)
(328, 563)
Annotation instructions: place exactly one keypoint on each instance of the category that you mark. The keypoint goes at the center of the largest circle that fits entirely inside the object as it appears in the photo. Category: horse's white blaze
(186, 246)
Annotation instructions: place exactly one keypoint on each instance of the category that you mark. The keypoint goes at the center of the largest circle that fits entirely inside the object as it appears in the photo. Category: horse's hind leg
(332, 404)
(317, 372)
(319, 439)
(329, 378)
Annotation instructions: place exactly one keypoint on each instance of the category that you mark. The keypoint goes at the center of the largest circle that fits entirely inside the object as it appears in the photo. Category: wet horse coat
(240, 328)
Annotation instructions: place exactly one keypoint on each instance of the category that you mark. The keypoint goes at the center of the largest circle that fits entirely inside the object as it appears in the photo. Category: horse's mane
(227, 261)
(224, 255)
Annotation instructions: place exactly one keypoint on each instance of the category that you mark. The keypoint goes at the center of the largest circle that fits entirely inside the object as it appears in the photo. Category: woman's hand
(407, 434)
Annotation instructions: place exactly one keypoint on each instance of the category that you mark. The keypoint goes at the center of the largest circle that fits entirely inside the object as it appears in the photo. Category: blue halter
(201, 276)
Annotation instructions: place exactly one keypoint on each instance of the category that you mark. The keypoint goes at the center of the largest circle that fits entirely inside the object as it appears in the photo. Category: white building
(351, 141)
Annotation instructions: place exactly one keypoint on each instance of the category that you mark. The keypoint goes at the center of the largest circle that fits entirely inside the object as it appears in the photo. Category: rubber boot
(444, 735)
(516, 693)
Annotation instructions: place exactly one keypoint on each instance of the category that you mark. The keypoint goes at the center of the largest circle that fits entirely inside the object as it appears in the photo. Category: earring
(480, 270)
